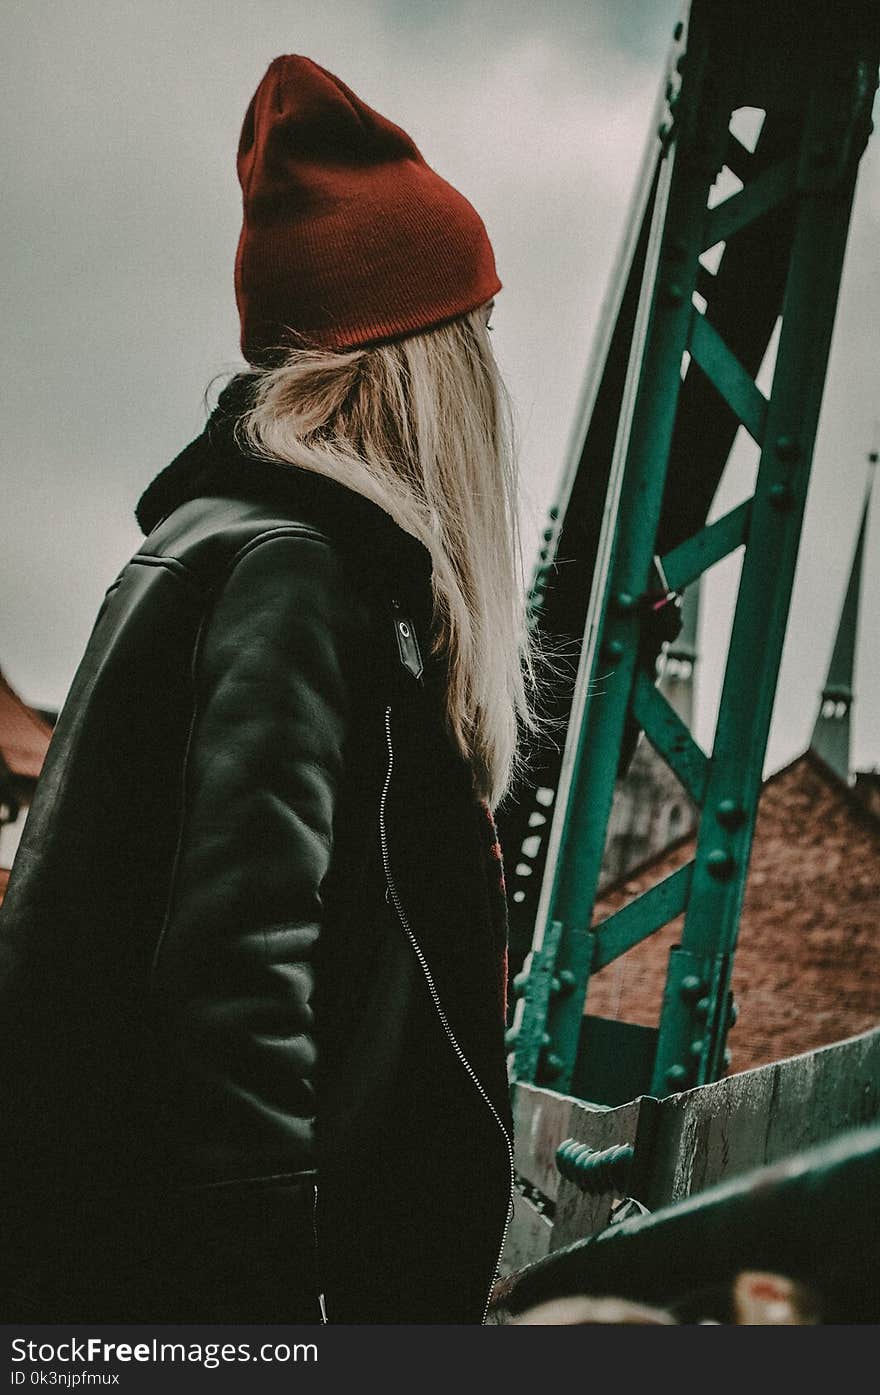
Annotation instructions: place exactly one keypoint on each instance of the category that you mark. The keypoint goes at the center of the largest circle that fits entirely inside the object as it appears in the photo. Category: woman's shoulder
(210, 536)
(210, 502)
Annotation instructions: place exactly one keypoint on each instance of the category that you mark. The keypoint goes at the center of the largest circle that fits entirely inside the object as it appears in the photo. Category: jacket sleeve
(276, 673)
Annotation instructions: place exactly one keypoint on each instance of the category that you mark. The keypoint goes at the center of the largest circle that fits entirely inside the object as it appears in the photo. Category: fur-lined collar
(214, 464)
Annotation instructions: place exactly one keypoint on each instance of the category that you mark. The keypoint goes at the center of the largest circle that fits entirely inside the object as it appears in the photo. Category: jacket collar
(213, 463)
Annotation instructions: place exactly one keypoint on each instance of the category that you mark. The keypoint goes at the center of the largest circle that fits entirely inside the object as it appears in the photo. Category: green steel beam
(685, 563)
(686, 1043)
(670, 737)
(642, 917)
(823, 116)
(624, 563)
(739, 160)
(727, 374)
(771, 187)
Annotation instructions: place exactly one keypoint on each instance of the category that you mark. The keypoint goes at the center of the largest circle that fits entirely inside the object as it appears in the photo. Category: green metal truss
(812, 70)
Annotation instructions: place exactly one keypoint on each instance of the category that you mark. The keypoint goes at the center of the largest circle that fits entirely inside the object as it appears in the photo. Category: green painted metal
(697, 554)
(670, 737)
(817, 99)
(614, 1058)
(724, 370)
(626, 549)
(642, 917)
(596, 1170)
(731, 802)
(735, 213)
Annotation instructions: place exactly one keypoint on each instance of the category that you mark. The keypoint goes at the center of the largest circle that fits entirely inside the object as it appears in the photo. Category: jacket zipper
(435, 997)
(321, 1303)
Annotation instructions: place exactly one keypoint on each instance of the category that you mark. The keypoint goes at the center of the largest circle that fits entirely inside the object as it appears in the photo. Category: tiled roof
(24, 735)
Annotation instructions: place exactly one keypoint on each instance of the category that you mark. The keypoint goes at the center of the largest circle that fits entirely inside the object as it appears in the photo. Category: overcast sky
(120, 217)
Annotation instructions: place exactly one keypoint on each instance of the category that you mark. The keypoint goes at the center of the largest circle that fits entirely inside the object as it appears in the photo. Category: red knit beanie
(348, 238)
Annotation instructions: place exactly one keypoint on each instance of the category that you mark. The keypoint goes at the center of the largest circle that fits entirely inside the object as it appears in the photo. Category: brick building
(808, 955)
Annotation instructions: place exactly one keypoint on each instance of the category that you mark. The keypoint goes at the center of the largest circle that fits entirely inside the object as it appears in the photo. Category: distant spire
(833, 729)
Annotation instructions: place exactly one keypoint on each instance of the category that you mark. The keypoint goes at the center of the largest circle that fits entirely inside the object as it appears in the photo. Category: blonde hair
(423, 427)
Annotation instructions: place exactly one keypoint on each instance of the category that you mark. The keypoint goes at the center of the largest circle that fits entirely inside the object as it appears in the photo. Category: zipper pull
(407, 642)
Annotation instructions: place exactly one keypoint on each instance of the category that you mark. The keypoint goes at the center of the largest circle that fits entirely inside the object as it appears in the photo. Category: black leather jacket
(251, 953)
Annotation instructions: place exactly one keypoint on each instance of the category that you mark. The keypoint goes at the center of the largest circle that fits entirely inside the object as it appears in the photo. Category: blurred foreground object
(757, 1300)
(814, 1218)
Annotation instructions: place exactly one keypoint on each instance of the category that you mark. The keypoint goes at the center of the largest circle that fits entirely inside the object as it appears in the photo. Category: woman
(253, 944)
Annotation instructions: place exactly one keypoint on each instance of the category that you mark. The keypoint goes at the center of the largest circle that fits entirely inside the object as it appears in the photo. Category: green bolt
(781, 496)
(702, 1007)
(720, 864)
(673, 294)
(614, 650)
(696, 1049)
(730, 814)
(691, 986)
(676, 1075)
(787, 448)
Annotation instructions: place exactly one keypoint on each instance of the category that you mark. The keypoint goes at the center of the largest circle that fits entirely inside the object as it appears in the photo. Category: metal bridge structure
(729, 272)
(705, 292)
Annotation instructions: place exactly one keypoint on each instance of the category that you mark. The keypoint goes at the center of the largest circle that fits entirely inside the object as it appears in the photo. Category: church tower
(832, 733)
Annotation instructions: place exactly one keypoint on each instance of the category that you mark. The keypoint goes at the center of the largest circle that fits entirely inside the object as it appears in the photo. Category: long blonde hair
(423, 427)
